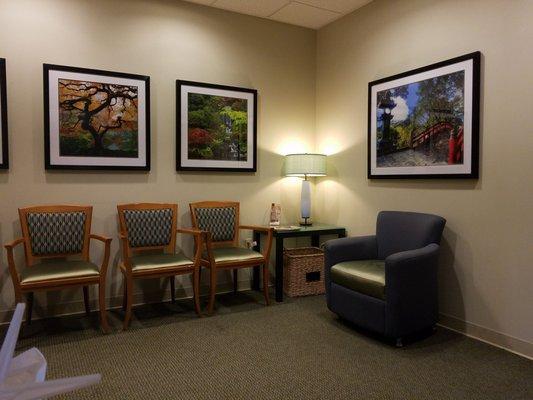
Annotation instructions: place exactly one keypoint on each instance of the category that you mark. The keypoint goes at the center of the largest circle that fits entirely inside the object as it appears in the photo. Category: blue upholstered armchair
(387, 282)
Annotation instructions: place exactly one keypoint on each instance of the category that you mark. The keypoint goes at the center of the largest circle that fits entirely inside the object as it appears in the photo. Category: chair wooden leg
(212, 289)
(266, 280)
(86, 299)
(173, 289)
(102, 307)
(29, 307)
(196, 290)
(235, 280)
(129, 300)
(124, 295)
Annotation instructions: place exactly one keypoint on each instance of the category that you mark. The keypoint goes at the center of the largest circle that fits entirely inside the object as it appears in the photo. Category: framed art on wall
(96, 119)
(4, 152)
(424, 123)
(216, 127)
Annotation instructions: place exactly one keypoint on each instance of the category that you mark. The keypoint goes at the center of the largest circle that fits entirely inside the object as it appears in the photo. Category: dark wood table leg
(279, 269)
(315, 240)
(255, 273)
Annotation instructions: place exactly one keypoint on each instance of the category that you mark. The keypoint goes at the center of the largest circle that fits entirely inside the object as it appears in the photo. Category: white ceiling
(308, 13)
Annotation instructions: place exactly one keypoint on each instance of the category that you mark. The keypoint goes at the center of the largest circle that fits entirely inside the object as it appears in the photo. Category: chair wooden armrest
(125, 251)
(190, 231)
(270, 233)
(255, 228)
(198, 241)
(12, 267)
(101, 238)
(107, 252)
(14, 243)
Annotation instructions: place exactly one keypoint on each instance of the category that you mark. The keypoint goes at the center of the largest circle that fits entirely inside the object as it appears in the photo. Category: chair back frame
(170, 247)
(31, 258)
(217, 204)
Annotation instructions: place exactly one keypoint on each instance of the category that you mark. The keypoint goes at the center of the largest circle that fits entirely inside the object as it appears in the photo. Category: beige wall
(166, 40)
(486, 272)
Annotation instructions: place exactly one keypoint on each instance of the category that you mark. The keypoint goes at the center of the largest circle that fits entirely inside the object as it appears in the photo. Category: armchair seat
(147, 262)
(233, 254)
(60, 269)
(363, 276)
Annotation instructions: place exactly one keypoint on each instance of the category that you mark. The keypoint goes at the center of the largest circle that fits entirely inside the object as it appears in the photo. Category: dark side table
(314, 232)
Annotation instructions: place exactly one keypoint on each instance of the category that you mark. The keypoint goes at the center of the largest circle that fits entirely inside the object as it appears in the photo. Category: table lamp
(305, 165)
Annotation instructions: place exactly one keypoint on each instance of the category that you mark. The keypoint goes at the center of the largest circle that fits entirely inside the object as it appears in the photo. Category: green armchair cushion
(144, 262)
(58, 269)
(229, 254)
(363, 276)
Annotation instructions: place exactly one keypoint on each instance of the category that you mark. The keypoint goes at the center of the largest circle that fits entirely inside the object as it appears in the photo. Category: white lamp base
(305, 207)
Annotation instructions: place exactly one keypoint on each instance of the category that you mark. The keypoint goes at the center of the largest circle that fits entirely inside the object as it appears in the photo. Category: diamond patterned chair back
(55, 231)
(149, 225)
(221, 218)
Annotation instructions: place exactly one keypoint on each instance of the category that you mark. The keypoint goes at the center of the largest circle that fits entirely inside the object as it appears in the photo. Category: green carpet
(293, 350)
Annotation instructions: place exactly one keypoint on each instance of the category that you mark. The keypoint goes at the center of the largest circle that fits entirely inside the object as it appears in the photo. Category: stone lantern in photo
(386, 145)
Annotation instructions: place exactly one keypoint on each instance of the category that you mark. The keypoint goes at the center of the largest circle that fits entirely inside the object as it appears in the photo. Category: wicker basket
(303, 273)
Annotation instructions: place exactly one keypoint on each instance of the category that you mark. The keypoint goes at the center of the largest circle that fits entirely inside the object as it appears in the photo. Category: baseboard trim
(494, 338)
(140, 298)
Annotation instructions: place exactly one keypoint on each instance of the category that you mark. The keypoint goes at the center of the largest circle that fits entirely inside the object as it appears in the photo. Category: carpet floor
(293, 350)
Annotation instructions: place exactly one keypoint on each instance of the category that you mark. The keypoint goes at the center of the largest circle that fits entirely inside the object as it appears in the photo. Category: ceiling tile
(204, 2)
(342, 6)
(261, 8)
(304, 15)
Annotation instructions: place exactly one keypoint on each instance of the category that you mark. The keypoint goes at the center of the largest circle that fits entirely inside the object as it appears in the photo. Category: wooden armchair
(220, 220)
(51, 236)
(148, 234)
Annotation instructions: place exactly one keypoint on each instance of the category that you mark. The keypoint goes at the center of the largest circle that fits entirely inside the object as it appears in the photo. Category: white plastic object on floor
(23, 377)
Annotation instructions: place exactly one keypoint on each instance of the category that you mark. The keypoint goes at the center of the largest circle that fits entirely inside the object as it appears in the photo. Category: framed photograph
(424, 123)
(216, 128)
(4, 152)
(96, 119)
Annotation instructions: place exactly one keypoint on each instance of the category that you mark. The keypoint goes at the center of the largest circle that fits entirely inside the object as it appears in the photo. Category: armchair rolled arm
(348, 249)
(405, 263)
(411, 282)
(11, 262)
(107, 251)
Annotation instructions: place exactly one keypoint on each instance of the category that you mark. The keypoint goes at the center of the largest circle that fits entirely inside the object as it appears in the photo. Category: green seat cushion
(363, 276)
(230, 254)
(144, 262)
(58, 269)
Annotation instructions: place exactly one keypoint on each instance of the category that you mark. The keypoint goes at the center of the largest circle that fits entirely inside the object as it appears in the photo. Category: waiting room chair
(148, 235)
(387, 282)
(220, 219)
(52, 236)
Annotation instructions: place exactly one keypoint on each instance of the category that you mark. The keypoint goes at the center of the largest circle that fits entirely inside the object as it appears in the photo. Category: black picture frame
(4, 145)
(182, 161)
(144, 80)
(473, 90)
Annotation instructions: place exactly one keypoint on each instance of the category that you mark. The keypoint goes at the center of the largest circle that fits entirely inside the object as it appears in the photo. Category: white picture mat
(466, 167)
(53, 101)
(184, 129)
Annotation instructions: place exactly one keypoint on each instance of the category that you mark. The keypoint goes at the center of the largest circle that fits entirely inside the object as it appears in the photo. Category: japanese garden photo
(97, 119)
(217, 127)
(421, 123)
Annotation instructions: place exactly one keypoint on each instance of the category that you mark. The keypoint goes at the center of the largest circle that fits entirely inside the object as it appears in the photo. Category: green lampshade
(305, 165)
